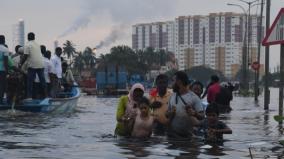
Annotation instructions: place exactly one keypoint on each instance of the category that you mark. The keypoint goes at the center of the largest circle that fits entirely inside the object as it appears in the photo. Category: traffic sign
(255, 66)
(275, 34)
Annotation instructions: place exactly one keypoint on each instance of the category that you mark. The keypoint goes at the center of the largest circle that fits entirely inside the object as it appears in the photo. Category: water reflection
(135, 148)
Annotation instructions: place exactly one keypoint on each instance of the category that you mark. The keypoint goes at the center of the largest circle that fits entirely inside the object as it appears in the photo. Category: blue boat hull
(49, 105)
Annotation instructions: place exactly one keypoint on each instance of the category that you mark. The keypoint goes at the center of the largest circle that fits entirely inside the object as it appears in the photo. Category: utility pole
(247, 46)
(266, 82)
(256, 85)
(281, 93)
(244, 81)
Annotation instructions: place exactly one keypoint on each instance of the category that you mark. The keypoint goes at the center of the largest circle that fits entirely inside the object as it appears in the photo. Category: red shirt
(213, 90)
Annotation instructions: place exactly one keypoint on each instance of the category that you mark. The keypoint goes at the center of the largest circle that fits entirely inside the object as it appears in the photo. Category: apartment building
(215, 40)
(159, 35)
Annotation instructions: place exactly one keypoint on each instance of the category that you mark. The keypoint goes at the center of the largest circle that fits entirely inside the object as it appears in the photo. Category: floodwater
(88, 133)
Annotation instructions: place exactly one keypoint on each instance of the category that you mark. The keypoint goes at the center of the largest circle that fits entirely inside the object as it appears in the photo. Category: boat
(64, 103)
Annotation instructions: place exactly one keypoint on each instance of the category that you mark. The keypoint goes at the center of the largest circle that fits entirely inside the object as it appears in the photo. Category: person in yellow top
(159, 103)
(127, 110)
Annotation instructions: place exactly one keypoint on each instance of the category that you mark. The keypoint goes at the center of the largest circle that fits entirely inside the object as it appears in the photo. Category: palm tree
(69, 49)
(89, 58)
(78, 63)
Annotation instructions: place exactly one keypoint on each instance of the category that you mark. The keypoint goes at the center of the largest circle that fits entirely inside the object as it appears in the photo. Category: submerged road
(87, 133)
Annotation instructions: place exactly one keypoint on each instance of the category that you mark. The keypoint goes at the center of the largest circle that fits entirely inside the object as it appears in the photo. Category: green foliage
(251, 75)
(69, 49)
(278, 118)
(88, 58)
(84, 61)
(246, 93)
(281, 142)
(139, 62)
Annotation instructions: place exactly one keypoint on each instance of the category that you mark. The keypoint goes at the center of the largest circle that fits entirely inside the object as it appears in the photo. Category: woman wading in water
(127, 110)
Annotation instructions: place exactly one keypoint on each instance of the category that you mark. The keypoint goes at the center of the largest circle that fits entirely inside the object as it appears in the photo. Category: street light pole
(266, 89)
(249, 29)
(244, 70)
(244, 81)
(256, 86)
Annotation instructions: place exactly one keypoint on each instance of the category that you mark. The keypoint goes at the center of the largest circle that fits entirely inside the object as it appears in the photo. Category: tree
(89, 58)
(139, 62)
(69, 49)
(78, 64)
(250, 73)
(203, 74)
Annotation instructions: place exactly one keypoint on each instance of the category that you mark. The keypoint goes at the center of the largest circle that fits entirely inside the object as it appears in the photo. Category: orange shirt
(160, 113)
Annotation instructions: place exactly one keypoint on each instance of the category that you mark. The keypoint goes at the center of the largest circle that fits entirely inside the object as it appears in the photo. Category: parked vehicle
(111, 80)
(88, 86)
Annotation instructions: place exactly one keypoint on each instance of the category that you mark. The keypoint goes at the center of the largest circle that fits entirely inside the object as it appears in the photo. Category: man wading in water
(184, 108)
(159, 103)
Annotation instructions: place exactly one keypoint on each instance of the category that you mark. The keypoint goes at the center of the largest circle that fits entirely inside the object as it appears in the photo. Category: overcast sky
(88, 22)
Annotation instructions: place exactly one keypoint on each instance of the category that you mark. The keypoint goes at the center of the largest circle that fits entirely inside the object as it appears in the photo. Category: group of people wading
(31, 72)
(177, 113)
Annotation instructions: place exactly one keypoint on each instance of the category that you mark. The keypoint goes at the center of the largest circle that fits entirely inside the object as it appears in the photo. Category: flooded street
(87, 133)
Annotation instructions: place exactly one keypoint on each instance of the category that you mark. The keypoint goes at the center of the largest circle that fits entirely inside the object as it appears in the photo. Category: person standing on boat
(67, 77)
(47, 71)
(4, 53)
(22, 71)
(57, 71)
(19, 52)
(127, 110)
(184, 108)
(159, 103)
(34, 58)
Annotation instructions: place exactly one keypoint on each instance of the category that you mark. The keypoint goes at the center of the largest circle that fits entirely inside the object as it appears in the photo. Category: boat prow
(65, 103)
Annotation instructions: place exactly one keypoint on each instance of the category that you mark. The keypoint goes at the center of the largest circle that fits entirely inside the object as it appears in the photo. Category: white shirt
(56, 64)
(47, 69)
(181, 122)
(17, 60)
(35, 58)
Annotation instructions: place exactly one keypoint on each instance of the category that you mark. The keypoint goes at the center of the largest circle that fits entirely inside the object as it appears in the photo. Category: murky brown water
(88, 134)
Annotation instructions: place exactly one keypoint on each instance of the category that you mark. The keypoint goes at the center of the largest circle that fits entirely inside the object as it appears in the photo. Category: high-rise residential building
(159, 35)
(215, 40)
(19, 33)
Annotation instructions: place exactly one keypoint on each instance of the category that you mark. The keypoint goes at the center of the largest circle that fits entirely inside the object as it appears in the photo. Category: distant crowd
(177, 113)
(32, 72)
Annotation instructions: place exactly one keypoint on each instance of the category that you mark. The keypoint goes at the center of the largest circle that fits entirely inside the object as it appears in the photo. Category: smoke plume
(116, 34)
(122, 12)
(80, 23)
